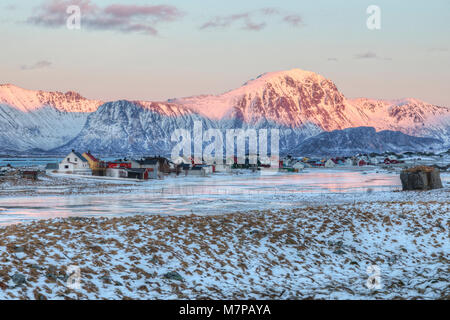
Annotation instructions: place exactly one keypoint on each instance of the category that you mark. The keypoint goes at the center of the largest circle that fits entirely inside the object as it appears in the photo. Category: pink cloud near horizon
(117, 17)
(247, 19)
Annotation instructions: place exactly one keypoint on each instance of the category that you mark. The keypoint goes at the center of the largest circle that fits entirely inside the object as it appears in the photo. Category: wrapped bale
(421, 178)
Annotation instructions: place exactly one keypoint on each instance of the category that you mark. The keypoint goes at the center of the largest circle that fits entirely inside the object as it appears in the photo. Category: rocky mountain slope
(126, 127)
(296, 97)
(363, 140)
(37, 119)
(289, 98)
(410, 116)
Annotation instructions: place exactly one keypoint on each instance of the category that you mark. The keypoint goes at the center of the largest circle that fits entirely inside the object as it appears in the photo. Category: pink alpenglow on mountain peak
(221, 106)
(292, 98)
(30, 100)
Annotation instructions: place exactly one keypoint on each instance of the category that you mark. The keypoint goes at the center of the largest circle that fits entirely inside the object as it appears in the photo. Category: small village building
(393, 161)
(119, 164)
(307, 165)
(183, 168)
(237, 162)
(362, 163)
(164, 164)
(348, 162)
(221, 167)
(316, 163)
(152, 165)
(98, 167)
(179, 160)
(116, 172)
(298, 165)
(289, 161)
(210, 169)
(30, 174)
(138, 173)
(75, 163)
(200, 170)
(330, 164)
(51, 167)
(339, 161)
(5, 170)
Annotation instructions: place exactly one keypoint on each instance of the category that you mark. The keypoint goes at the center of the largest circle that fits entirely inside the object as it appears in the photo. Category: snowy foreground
(319, 252)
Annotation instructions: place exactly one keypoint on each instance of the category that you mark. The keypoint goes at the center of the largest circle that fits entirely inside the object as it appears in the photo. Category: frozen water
(206, 195)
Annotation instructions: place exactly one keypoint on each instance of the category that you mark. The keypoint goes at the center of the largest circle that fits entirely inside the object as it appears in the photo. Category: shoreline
(51, 197)
(91, 185)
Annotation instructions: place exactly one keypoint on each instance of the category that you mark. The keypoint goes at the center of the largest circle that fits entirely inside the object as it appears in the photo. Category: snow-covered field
(310, 235)
(313, 252)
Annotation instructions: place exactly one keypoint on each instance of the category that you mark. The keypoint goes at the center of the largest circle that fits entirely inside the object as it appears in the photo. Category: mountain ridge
(300, 103)
(352, 141)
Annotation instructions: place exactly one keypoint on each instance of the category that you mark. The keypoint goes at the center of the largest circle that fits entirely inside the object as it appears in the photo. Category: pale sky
(156, 50)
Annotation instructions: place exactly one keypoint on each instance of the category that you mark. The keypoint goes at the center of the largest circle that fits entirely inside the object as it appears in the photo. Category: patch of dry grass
(313, 252)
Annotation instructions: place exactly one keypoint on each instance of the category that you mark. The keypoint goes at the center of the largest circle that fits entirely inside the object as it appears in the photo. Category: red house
(118, 164)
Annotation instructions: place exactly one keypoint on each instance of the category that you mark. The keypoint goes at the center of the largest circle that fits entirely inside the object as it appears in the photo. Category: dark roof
(136, 170)
(79, 156)
(160, 159)
(147, 161)
(91, 156)
(52, 166)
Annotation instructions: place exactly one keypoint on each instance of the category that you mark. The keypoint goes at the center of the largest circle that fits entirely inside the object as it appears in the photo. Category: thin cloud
(226, 21)
(270, 11)
(438, 50)
(159, 12)
(117, 17)
(254, 26)
(38, 65)
(366, 55)
(294, 20)
(370, 55)
(252, 20)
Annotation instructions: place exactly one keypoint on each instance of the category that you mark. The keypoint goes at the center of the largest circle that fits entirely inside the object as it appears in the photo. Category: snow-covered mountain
(362, 140)
(37, 119)
(294, 98)
(289, 98)
(134, 127)
(300, 103)
(410, 116)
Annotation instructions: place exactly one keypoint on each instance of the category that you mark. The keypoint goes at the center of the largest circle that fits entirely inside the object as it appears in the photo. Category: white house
(330, 164)
(349, 162)
(298, 165)
(74, 162)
